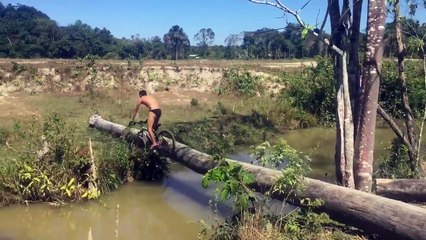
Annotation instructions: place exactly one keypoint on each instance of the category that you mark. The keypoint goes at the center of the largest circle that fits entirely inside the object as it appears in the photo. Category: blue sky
(150, 18)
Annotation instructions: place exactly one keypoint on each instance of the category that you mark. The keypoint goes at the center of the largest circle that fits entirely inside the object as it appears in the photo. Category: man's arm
(135, 111)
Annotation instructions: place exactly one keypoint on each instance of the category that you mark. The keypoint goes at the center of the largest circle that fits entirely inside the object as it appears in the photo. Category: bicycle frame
(143, 132)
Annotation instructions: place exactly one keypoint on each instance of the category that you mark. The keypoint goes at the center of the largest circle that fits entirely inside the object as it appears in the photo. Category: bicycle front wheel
(166, 141)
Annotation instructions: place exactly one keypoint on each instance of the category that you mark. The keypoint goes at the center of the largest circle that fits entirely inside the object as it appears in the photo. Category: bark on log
(387, 217)
(407, 190)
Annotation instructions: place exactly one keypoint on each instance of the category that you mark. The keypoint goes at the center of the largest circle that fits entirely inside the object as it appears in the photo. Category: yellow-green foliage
(48, 163)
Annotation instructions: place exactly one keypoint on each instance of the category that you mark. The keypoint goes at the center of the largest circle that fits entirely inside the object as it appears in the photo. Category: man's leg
(150, 125)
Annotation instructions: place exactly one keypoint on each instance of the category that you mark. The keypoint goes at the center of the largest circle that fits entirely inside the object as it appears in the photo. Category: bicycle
(165, 138)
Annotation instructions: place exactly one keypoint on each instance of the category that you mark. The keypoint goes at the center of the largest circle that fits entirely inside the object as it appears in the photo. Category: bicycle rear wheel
(167, 141)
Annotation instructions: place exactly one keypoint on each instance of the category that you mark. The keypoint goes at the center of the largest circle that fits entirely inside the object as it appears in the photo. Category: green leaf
(242, 201)
(248, 178)
(224, 194)
(85, 194)
(71, 182)
(269, 227)
(233, 186)
(205, 182)
(304, 33)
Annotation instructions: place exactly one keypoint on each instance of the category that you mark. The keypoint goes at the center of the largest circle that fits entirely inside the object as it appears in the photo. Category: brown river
(168, 210)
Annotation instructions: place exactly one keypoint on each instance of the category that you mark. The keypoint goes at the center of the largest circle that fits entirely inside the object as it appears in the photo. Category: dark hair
(142, 93)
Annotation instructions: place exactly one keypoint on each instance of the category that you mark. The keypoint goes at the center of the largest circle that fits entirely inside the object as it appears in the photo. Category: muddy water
(318, 144)
(167, 210)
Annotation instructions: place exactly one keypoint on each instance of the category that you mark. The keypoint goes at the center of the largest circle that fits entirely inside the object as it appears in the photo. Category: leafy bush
(390, 89)
(397, 165)
(194, 103)
(312, 90)
(299, 223)
(48, 161)
(4, 135)
(240, 82)
(207, 136)
(18, 68)
(149, 166)
(233, 180)
(114, 164)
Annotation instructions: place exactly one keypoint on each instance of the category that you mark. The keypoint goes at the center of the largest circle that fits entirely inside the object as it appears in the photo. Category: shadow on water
(188, 184)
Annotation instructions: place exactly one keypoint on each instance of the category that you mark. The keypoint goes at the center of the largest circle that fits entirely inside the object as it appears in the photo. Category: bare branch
(388, 119)
(325, 20)
(304, 5)
(278, 4)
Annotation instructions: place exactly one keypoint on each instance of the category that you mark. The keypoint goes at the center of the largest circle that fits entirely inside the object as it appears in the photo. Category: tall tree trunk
(408, 116)
(354, 66)
(344, 127)
(346, 120)
(370, 91)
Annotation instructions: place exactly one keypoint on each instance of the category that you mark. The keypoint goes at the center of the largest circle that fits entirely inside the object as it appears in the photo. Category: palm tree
(176, 41)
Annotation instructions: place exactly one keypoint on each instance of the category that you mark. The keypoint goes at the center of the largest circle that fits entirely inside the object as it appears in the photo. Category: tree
(354, 132)
(231, 42)
(409, 139)
(204, 38)
(176, 41)
(370, 85)
(155, 48)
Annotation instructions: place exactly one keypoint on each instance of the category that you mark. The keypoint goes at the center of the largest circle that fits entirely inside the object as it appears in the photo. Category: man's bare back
(149, 102)
(154, 113)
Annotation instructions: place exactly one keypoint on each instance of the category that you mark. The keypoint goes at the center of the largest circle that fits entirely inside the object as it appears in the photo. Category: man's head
(142, 93)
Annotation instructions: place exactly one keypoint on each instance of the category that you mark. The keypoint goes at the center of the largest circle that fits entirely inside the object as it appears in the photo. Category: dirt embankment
(41, 75)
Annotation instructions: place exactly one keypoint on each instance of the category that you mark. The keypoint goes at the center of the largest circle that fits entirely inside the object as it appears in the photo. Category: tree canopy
(26, 32)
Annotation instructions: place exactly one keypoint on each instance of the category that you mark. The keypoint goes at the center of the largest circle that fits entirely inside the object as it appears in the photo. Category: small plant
(141, 63)
(312, 90)
(221, 108)
(293, 163)
(89, 60)
(397, 165)
(18, 68)
(242, 83)
(194, 102)
(4, 135)
(234, 181)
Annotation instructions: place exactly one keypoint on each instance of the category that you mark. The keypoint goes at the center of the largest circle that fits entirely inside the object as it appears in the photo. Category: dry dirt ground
(12, 105)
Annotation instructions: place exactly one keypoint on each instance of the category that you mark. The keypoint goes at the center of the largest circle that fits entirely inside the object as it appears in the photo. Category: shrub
(312, 90)
(47, 164)
(397, 165)
(114, 164)
(233, 183)
(240, 82)
(390, 89)
(18, 68)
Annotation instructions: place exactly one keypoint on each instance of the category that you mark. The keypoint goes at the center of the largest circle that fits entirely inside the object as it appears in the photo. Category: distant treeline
(26, 32)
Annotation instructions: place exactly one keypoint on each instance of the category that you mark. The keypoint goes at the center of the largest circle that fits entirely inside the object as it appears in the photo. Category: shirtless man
(154, 113)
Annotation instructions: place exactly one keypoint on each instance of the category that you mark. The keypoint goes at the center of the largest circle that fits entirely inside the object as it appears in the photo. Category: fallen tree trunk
(407, 190)
(387, 217)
